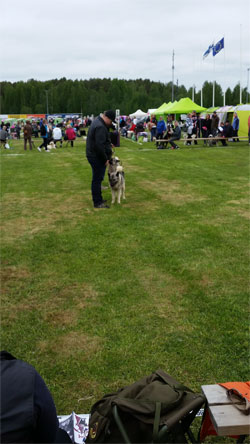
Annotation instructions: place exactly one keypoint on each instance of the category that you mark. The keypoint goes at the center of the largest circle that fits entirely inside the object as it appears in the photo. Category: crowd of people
(195, 126)
(50, 131)
(156, 129)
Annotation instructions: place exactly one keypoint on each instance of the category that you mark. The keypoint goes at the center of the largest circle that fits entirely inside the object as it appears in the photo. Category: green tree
(236, 95)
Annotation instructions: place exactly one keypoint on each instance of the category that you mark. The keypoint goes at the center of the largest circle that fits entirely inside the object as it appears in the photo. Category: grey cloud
(124, 39)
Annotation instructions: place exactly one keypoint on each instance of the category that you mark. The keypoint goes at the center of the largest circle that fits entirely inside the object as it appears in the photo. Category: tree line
(95, 95)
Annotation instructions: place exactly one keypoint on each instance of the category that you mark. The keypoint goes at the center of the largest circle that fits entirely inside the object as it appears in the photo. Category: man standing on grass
(99, 152)
(27, 134)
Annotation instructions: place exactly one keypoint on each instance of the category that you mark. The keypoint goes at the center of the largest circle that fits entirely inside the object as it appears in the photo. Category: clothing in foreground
(28, 412)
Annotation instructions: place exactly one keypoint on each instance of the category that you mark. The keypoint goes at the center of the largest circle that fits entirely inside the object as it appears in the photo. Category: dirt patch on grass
(144, 207)
(12, 279)
(206, 281)
(62, 318)
(52, 306)
(172, 191)
(240, 206)
(135, 168)
(13, 273)
(27, 216)
(71, 344)
(164, 290)
(159, 284)
(84, 291)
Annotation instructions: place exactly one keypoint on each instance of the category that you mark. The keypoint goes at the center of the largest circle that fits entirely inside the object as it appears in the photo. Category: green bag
(137, 413)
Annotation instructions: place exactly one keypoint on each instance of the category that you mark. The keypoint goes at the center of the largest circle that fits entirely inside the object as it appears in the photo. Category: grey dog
(116, 180)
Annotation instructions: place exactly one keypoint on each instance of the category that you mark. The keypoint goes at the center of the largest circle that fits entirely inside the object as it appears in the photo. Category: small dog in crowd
(51, 145)
(189, 139)
(116, 179)
(185, 136)
(212, 142)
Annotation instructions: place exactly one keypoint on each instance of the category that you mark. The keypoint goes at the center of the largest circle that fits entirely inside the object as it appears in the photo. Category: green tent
(160, 111)
(184, 106)
(243, 112)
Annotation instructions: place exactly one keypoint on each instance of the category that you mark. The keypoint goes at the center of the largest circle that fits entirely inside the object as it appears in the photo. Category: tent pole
(213, 93)
(173, 76)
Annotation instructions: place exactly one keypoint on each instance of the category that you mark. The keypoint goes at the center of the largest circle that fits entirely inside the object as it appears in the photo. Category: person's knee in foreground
(28, 412)
(98, 153)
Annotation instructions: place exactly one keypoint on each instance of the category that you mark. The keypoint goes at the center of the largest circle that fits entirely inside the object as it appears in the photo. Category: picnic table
(209, 139)
(226, 418)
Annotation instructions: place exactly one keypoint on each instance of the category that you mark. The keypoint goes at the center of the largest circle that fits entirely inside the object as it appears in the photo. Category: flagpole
(173, 76)
(240, 65)
(213, 83)
(213, 102)
(224, 98)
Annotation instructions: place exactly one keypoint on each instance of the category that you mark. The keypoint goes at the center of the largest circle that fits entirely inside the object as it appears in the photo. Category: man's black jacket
(98, 141)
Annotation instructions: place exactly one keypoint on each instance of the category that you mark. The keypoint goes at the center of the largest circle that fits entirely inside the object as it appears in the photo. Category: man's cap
(110, 114)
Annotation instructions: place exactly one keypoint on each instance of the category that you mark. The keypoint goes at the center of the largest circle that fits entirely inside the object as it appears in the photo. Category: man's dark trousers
(98, 172)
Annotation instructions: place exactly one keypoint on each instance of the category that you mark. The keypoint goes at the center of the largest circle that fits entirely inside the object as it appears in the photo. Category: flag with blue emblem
(209, 49)
(219, 45)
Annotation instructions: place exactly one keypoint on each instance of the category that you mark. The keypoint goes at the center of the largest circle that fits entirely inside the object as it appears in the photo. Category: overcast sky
(125, 39)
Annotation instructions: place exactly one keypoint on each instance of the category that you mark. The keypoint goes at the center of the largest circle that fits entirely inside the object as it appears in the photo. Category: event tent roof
(184, 106)
(164, 108)
(138, 114)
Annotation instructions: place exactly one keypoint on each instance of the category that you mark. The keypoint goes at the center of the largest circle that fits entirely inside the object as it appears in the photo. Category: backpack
(155, 407)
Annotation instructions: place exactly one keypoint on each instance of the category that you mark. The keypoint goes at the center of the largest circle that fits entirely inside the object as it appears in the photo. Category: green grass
(96, 299)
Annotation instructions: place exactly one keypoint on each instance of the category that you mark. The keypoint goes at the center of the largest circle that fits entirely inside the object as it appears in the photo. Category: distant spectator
(195, 126)
(71, 135)
(57, 135)
(3, 135)
(160, 129)
(189, 124)
(44, 136)
(249, 130)
(236, 126)
(214, 124)
(27, 134)
(82, 130)
(35, 129)
(152, 127)
(206, 127)
(227, 132)
(176, 135)
(122, 123)
(50, 132)
(18, 130)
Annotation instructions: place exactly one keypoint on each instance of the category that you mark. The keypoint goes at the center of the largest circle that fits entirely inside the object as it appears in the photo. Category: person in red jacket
(71, 135)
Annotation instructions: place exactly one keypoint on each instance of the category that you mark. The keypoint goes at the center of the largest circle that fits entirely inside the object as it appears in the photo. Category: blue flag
(209, 49)
(219, 45)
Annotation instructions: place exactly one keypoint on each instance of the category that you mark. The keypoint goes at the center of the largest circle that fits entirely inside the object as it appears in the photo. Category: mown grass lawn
(96, 299)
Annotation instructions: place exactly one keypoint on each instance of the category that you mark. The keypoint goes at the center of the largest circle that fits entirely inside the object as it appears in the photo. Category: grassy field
(96, 299)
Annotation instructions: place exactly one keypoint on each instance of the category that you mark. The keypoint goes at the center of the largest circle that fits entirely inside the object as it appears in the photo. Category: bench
(226, 418)
(217, 139)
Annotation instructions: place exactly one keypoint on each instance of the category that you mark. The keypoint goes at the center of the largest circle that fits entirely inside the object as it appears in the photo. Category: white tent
(151, 110)
(139, 114)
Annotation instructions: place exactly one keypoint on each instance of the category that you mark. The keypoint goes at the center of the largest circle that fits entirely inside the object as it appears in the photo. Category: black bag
(153, 408)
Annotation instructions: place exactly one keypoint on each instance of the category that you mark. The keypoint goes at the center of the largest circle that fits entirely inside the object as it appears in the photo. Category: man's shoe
(101, 205)
(39, 149)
